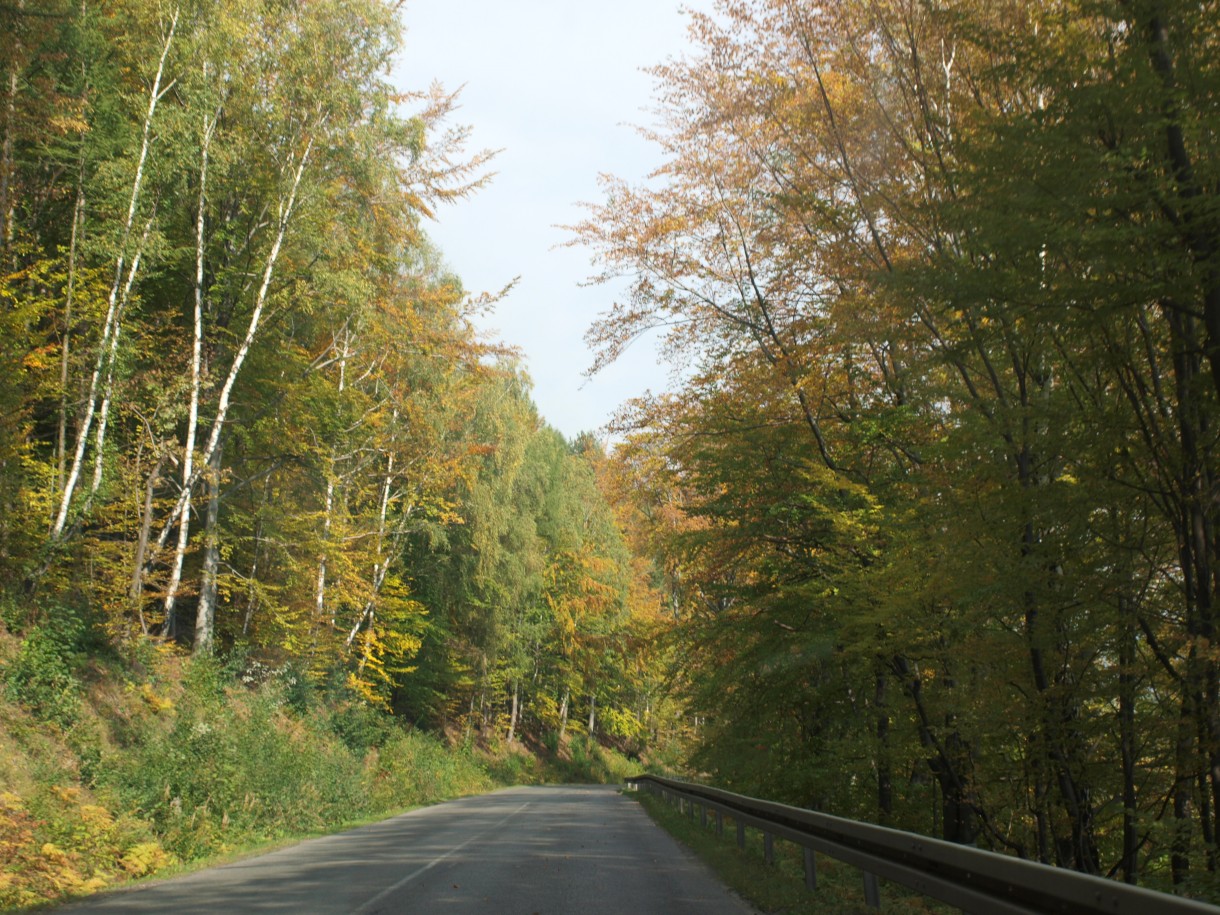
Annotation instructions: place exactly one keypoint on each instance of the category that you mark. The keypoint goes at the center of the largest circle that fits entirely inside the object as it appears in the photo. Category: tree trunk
(117, 300)
(959, 816)
(1179, 860)
(1127, 684)
(65, 350)
(885, 788)
(252, 589)
(192, 420)
(136, 591)
(205, 617)
(1056, 709)
(563, 715)
(7, 196)
(260, 302)
(1201, 241)
(329, 506)
(516, 705)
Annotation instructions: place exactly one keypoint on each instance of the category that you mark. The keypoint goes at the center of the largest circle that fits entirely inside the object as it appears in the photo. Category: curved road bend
(550, 851)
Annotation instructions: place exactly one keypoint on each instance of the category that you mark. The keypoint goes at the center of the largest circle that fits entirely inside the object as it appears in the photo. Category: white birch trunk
(260, 302)
(319, 598)
(192, 420)
(108, 388)
(371, 614)
(320, 585)
(512, 718)
(205, 617)
(114, 309)
(146, 517)
(382, 566)
(65, 352)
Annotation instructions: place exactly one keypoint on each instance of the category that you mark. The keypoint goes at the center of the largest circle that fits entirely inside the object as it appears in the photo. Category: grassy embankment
(116, 768)
(780, 887)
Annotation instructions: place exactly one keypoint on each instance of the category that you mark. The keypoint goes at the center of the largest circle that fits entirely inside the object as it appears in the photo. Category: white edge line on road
(390, 890)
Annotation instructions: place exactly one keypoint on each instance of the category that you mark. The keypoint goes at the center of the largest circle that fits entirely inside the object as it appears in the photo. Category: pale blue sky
(556, 84)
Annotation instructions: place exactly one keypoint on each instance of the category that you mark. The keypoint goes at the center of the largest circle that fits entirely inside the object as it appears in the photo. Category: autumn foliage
(244, 409)
(937, 500)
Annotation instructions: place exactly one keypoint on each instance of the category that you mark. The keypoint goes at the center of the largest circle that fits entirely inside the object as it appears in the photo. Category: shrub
(59, 842)
(414, 768)
(360, 726)
(42, 677)
(236, 771)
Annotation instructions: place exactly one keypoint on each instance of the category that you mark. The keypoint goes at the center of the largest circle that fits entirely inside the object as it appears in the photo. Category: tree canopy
(937, 503)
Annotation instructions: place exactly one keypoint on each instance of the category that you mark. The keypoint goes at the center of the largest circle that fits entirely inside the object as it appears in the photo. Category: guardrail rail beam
(976, 881)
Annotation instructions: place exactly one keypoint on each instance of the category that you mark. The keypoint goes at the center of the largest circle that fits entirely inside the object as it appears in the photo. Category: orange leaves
(88, 851)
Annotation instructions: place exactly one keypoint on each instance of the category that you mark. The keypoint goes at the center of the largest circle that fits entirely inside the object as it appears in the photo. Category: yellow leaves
(68, 124)
(72, 847)
(41, 357)
(11, 801)
(145, 858)
(96, 817)
(153, 701)
(367, 690)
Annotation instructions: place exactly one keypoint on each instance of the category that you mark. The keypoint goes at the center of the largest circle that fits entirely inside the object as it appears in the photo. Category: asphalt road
(550, 851)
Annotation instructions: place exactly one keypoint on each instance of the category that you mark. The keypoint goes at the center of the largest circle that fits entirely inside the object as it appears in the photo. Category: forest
(926, 533)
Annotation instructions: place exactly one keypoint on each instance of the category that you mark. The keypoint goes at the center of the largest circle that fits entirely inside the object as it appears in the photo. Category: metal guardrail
(976, 881)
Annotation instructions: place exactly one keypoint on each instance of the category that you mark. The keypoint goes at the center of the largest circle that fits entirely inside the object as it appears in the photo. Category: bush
(42, 677)
(58, 842)
(235, 771)
(360, 726)
(414, 768)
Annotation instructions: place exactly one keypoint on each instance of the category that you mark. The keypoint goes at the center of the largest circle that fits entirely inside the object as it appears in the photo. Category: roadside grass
(780, 887)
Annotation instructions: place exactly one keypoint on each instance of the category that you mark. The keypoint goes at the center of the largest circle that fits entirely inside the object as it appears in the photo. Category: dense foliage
(243, 409)
(938, 501)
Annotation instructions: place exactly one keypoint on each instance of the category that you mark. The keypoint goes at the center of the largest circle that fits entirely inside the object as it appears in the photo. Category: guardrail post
(703, 815)
(768, 848)
(719, 823)
(872, 891)
(811, 870)
(741, 834)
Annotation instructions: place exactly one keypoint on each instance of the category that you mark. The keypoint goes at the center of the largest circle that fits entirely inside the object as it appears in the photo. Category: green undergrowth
(116, 768)
(780, 887)
(579, 761)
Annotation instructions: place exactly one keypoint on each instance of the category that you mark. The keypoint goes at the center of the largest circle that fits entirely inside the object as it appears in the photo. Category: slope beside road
(535, 851)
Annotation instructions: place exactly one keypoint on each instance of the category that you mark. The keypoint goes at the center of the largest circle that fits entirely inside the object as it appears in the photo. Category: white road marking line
(389, 891)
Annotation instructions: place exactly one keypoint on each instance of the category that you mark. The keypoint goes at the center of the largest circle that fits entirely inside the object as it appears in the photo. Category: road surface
(550, 851)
